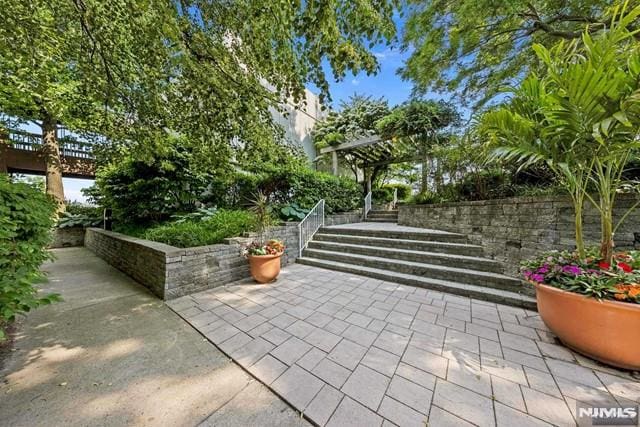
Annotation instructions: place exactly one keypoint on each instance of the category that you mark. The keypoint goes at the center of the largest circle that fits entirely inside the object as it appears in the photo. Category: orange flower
(634, 291)
(620, 287)
(620, 297)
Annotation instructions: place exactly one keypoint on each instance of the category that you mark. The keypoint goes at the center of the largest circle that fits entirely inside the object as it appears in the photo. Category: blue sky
(386, 83)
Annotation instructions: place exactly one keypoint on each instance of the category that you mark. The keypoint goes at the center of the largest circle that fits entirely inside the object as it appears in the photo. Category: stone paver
(348, 350)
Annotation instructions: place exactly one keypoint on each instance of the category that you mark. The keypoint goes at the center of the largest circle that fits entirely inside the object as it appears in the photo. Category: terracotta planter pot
(264, 268)
(608, 331)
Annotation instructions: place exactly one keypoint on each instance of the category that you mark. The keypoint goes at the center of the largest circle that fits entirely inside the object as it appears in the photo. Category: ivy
(26, 219)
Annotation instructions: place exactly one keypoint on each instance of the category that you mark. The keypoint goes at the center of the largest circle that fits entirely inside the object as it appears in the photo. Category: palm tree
(581, 118)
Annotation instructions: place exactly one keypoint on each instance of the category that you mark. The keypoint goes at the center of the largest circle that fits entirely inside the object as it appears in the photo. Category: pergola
(371, 151)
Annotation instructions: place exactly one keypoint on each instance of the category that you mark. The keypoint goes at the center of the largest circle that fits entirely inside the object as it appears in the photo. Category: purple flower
(543, 270)
(572, 269)
(537, 278)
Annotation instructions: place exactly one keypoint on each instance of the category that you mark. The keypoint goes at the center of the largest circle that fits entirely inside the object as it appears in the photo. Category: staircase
(430, 259)
(382, 216)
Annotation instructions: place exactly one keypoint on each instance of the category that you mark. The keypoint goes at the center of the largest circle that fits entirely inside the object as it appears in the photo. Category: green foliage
(580, 118)
(68, 220)
(26, 219)
(154, 188)
(357, 118)
(487, 184)
(306, 187)
(404, 190)
(263, 216)
(293, 212)
(200, 214)
(384, 194)
(130, 69)
(475, 48)
(224, 224)
(419, 119)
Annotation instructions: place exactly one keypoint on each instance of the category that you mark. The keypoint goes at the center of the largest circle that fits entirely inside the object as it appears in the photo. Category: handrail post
(309, 225)
(395, 197)
(367, 205)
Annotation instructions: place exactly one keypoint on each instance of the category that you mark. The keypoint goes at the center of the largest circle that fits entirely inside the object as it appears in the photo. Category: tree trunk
(606, 222)
(51, 152)
(424, 178)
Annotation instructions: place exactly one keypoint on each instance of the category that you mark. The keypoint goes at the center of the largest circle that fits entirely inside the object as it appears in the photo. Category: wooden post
(4, 149)
(334, 162)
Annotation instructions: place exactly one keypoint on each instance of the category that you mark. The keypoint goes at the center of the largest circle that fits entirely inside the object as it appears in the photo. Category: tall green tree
(420, 125)
(356, 118)
(138, 72)
(474, 48)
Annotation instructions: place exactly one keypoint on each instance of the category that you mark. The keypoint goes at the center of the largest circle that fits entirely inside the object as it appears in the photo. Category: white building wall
(298, 121)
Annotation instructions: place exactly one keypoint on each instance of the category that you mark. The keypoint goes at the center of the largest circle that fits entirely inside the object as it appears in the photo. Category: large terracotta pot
(608, 331)
(264, 268)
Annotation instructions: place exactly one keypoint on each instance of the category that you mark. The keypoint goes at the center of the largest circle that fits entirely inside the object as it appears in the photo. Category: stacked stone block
(514, 229)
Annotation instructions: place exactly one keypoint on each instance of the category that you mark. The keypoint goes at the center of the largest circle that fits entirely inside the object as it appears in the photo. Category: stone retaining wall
(67, 237)
(343, 218)
(519, 228)
(170, 272)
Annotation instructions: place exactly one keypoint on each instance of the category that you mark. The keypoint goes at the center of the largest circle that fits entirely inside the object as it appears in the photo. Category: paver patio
(348, 350)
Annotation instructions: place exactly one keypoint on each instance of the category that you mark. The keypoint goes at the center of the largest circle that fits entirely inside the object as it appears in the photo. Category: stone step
(389, 220)
(480, 292)
(461, 261)
(429, 236)
(462, 275)
(391, 217)
(383, 212)
(414, 245)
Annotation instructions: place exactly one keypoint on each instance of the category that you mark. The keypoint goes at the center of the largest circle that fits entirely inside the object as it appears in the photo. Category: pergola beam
(362, 142)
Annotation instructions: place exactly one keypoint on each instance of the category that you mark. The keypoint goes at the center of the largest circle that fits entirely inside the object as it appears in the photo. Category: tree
(581, 118)
(475, 48)
(356, 118)
(133, 70)
(420, 125)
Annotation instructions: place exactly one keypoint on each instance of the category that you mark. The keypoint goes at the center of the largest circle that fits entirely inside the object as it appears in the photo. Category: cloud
(355, 82)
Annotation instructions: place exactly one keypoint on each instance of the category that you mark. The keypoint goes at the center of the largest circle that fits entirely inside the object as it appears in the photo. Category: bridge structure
(21, 152)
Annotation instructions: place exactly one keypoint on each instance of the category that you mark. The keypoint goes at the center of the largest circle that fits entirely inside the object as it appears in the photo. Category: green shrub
(225, 223)
(404, 190)
(382, 195)
(68, 220)
(26, 219)
(306, 187)
(76, 208)
(154, 189)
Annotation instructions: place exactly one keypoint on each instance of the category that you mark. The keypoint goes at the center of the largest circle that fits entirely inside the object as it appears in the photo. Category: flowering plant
(619, 280)
(272, 247)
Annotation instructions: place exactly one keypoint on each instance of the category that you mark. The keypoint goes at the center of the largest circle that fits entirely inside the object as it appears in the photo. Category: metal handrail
(310, 225)
(69, 147)
(367, 205)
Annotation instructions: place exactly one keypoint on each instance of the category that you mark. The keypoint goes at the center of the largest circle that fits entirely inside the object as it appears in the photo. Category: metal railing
(395, 197)
(69, 147)
(310, 225)
(367, 205)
